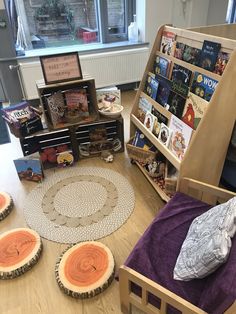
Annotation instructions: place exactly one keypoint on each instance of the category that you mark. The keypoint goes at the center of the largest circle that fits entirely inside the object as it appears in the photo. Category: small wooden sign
(61, 67)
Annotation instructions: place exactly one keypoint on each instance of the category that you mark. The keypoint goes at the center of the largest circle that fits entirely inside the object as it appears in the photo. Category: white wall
(217, 12)
(151, 14)
(2, 6)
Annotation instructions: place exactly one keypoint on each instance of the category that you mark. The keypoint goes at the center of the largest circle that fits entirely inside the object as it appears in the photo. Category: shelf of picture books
(185, 90)
(68, 103)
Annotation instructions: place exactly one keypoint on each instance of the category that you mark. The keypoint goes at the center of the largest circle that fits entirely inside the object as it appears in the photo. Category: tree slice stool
(85, 269)
(6, 204)
(20, 249)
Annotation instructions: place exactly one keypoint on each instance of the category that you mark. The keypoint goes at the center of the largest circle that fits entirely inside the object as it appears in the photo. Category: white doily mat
(79, 204)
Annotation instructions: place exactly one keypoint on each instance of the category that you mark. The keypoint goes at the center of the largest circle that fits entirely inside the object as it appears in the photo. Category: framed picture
(61, 67)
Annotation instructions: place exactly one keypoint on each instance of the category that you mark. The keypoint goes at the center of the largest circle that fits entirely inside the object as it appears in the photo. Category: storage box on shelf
(205, 155)
(86, 85)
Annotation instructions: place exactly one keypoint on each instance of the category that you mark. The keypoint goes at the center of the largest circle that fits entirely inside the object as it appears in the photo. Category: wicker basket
(139, 154)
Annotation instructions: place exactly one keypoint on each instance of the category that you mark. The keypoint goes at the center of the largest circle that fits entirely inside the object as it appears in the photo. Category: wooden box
(87, 86)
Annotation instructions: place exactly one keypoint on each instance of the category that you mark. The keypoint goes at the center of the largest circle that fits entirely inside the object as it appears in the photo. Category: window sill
(83, 49)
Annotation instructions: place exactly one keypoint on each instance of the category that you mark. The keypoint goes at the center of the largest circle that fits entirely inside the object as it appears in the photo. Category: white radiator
(108, 68)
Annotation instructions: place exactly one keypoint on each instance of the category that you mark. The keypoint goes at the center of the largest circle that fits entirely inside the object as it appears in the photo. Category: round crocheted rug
(79, 204)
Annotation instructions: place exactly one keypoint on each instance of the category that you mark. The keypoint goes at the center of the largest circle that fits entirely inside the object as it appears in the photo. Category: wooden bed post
(124, 292)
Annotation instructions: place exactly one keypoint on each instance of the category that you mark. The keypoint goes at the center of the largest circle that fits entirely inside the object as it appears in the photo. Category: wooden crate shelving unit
(72, 137)
(87, 84)
(205, 156)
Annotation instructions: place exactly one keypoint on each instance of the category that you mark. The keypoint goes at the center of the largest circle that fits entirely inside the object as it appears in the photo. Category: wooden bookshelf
(162, 193)
(205, 155)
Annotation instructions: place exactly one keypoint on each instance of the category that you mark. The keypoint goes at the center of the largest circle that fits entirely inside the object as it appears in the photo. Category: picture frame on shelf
(62, 67)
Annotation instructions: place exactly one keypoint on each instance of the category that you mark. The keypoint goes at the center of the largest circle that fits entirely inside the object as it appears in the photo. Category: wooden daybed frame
(200, 191)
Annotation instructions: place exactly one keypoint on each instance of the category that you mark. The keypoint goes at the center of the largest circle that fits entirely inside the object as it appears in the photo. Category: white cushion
(208, 242)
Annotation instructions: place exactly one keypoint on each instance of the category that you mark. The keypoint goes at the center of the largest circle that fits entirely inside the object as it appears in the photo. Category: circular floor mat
(79, 204)
(6, 204)
(85, 270)
(20, 249)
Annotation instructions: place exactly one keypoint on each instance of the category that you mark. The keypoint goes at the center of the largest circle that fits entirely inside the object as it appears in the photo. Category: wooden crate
(86, 84)
(73, 136)
(114, 137)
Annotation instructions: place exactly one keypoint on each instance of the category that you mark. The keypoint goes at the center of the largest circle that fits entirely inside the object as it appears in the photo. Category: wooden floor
(37, 290)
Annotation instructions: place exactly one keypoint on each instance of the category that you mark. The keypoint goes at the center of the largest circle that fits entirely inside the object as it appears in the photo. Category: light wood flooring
(37, 291)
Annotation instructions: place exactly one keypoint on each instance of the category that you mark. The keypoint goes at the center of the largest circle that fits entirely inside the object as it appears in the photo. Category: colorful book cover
(149, 121)
(176, 104)
(108, 97)
(29, 168)
(141, 141)
(180, 138)
(165, 135)
(163, 90)
(77, 103)
(168, 43)
(209, 54)
(181, 74)
(159, 119)
(194, 110)
(191, 55)
(203, 86)
(151, 86)
(221, 62)
(179, 50)
(161, 66)
(181, 78)
(143, 106)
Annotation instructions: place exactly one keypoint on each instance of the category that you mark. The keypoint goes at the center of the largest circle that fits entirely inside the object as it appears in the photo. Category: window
(231, 12)
(55, 23)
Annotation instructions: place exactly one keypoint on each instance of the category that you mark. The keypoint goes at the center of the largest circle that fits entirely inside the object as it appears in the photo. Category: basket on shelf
(139, 154)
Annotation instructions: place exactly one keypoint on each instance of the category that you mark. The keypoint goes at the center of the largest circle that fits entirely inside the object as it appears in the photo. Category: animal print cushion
(208, 242)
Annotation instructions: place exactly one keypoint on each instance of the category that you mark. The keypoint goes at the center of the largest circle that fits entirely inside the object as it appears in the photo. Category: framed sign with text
(61, 67)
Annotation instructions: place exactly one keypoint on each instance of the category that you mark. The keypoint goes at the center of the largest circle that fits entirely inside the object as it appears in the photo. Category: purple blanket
(155, 255)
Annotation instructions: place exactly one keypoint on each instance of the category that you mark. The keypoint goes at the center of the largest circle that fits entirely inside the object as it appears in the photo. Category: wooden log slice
(85, 269)
(20, 249)
(6, 204)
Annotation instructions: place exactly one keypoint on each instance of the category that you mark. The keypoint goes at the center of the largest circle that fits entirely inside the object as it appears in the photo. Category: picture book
(29, 168)
(221, 62)
(161, 66)
(149, 121)
(203, 86)
(163, 90)
(181, 74)
(181, 78)
(151, 86)
(176, 104)
(76, 105)
(209, 54)
(159, 119)
(179, 50)
(194, 110)
(56, 108)
(141, 141)
(191, 55)
(143, 106)
(168, 43)
(108, 97)
(165, 135)
(180, 137)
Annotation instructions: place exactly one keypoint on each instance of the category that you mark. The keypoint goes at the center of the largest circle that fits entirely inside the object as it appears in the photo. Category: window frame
(102, 12)
(101, 8)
